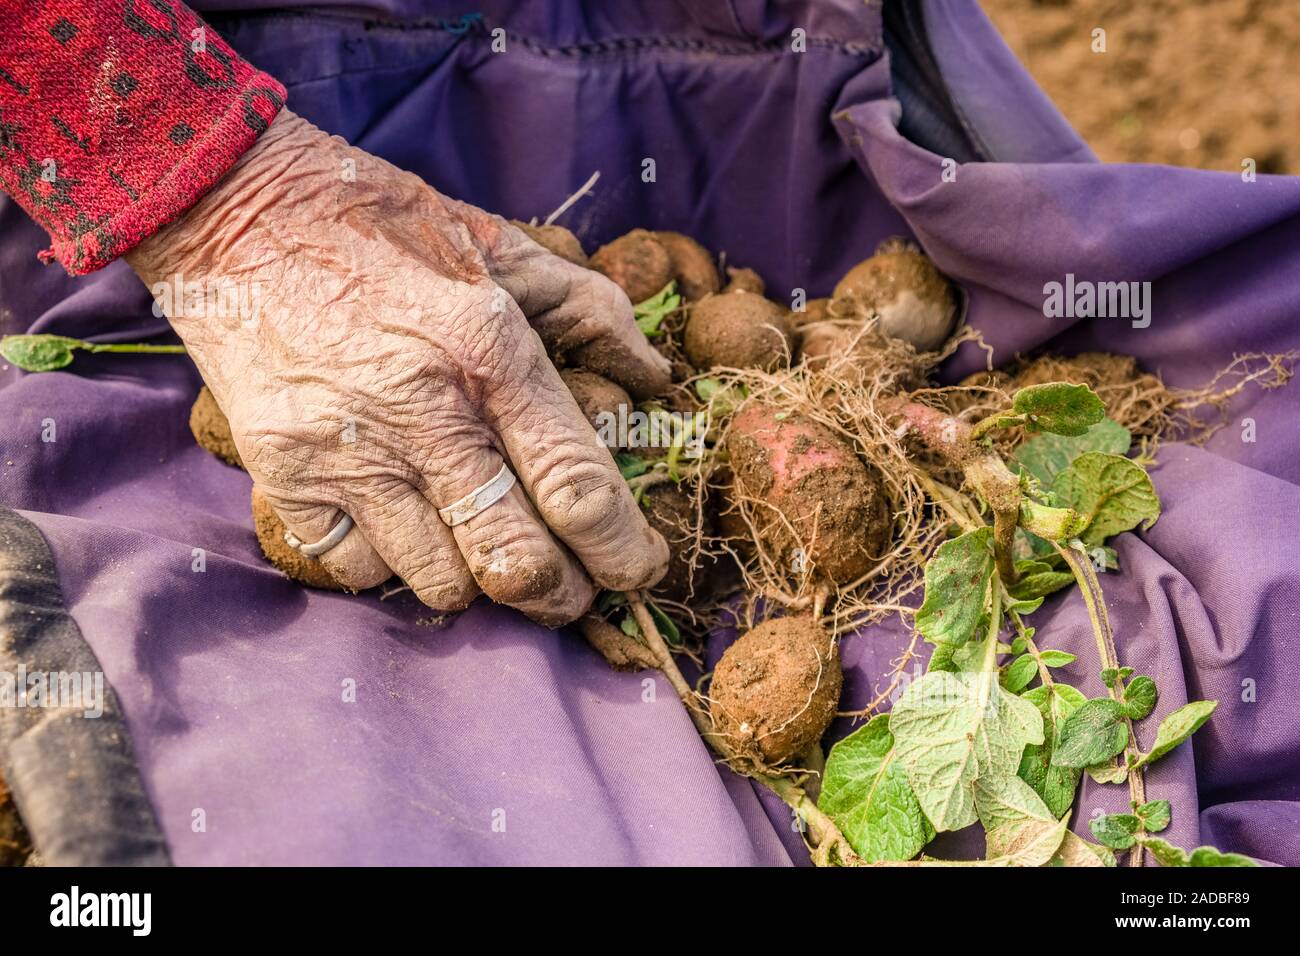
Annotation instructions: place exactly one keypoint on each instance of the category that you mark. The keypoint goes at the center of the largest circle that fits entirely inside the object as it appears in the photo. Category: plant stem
(1093, 600)
(133, 347)
(828, 843)
(1023, 633)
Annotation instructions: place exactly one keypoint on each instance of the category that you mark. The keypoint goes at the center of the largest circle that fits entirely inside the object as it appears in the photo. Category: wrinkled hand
(391, 355)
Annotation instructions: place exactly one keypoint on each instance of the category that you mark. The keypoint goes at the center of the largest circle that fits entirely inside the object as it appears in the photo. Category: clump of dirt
(775, 690)
(692, 266)
(212, 430)
(739, 330)
(636, 262)
(814, 500)
(621, 651)
(744, 280)
(15, 844)
(913, 300)
(595, 395)
(555, 239)
(270, 535)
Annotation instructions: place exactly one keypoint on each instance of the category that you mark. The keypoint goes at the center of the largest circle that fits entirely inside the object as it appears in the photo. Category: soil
(693, 267)
(556, 239)
(211, 430)
(901, 285)
(826, 493)
(1203, 83)
(740, 330)
(270, 535)
(637, 262)
(775, 690)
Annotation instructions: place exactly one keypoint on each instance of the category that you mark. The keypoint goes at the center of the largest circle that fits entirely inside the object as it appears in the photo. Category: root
(564, 206)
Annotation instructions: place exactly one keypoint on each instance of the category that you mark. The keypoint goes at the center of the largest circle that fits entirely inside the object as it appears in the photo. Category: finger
(353, 562)
(511, 554)
(578, 313)
(570, 475)
(417, 545)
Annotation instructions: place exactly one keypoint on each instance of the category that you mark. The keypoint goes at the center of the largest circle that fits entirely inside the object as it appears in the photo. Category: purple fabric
(232, 680)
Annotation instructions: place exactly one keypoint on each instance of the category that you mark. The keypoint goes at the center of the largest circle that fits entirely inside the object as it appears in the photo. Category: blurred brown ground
(1203, 83)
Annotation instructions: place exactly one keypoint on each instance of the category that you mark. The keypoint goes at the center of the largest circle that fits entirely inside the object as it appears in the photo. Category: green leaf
(667, 629)
(1051, 524)
(865, 791)
(1025, 842)
(1108, 772)
(1076, 851)
(1113, 493)
(1018, 824)
(1177, 727)
(608, 600)
(1037, 580)
(1139, 697)
(941, 659)
(39, 353)
(1059, 407)
(1155, 815)
(1024, 608)
(1019, 673)
(1004, 798)
(1115, 676)
(1046, 456)
(629, 626)
(629, 466)
(1116, 830)
(651, 313)
(1056, 785)
(1209, 856)
(1057, 658)
(1093, 733)
(1167, 854)
(956, 584)
(950, 730)
(706, 388)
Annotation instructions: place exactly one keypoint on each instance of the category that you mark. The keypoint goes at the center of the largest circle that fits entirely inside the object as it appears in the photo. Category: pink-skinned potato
(814, 479)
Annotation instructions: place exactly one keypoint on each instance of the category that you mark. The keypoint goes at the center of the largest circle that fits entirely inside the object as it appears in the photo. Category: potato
(741, 330)
(637, 263)
(776, 689)
(692, 266)
(557, 240)
(901, 285)
(806, 472)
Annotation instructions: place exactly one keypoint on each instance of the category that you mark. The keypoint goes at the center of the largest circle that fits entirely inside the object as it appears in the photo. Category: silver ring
(337, 534)
(478, 500)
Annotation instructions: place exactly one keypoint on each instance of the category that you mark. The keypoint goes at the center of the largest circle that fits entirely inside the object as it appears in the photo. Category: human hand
(387, 354)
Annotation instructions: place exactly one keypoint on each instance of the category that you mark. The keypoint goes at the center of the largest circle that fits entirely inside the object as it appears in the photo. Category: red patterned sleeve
(116, 116)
